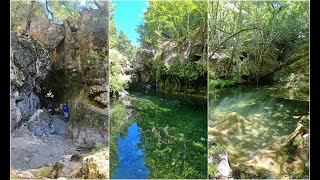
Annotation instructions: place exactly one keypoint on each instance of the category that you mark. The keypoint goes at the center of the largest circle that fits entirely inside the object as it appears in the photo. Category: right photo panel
(258, 89)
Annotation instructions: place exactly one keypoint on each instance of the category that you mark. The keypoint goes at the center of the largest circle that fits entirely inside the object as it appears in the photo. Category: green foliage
(260, 33)
(112, 27)
(19, 12)
(45, 172)
(297, 142)
(212, 169)
(116, 83)
(217, 149)
(175, 19)
(172, 149)
(221, 83)
(185, 69)
(61, 10)
(99, 146)
(123, 45)
(64, 9)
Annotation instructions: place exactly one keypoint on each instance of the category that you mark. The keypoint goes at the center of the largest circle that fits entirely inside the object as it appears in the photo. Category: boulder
(47, 33)
(232, 126)
(66, 168)
(93, 166)
(40, 123)
(59, 126)
(96, 166)
(90, 136)
(144, 58)
(218, 160)
(88, 124)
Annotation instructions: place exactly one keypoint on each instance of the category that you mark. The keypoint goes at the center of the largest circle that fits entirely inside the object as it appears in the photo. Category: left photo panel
(59, 89)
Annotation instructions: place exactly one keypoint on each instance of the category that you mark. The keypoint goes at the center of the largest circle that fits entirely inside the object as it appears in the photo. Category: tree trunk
(106, 4)
(97, 4)
(49, 10)
(27, 30)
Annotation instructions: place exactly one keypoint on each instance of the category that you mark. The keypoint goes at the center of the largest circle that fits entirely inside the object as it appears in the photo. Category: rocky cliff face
(268, 69)
(175, 66)
(80, 64)
(73, 65)
(30, 65)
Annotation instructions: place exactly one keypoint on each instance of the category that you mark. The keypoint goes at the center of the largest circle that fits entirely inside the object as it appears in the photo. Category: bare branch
(73, 29)
(216, 27)
(97, 4)
(49, 10)
(27, 30)
(248, 29)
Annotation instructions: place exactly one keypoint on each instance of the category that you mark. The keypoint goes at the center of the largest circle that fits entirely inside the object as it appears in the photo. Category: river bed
(268, 119)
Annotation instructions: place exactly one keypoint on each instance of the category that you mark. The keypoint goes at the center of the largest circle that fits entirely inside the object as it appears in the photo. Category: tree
(27, 30)
(171, 20)
(257, 31)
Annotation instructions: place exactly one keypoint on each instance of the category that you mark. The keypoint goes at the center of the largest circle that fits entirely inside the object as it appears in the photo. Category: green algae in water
(173, 133)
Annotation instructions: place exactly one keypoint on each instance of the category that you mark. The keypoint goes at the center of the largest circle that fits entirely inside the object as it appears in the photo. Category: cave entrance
(50, 92)
(53, 89)
(60, 86)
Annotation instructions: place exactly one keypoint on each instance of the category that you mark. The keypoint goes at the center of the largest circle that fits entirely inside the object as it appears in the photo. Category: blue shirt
(65, 108)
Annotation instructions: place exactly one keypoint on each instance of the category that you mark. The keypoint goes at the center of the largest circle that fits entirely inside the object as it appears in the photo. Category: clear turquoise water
(269, 118)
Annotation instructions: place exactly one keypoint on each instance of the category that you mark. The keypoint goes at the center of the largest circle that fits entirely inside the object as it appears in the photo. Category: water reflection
(131, 157)
(172, 133)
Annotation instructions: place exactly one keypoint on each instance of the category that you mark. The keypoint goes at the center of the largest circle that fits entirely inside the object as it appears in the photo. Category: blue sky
(128, 15)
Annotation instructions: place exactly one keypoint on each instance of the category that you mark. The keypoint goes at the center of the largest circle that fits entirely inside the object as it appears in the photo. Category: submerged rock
(232, 126)
(249, 172)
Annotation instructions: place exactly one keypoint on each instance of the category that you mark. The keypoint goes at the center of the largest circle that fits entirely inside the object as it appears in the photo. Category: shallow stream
(268, 116)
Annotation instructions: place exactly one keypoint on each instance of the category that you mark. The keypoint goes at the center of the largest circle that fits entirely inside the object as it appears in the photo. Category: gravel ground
(29, 151)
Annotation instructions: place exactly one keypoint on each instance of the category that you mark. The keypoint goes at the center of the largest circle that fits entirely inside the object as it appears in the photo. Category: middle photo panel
(158, 89)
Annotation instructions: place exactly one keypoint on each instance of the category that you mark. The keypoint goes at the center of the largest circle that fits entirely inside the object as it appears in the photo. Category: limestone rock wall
(72, 64)
(176, 65)
(83, 58)
(30, 65)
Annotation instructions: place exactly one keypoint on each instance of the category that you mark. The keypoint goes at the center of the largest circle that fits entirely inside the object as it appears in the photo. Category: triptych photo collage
(159, 89)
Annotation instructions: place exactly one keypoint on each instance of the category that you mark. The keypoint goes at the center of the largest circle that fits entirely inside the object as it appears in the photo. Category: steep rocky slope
(30, 66)
(72, 66)
(177, 65)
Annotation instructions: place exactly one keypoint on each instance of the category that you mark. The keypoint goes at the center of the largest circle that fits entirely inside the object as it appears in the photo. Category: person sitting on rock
(61, 109)
(66, 112)
(50, 107)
